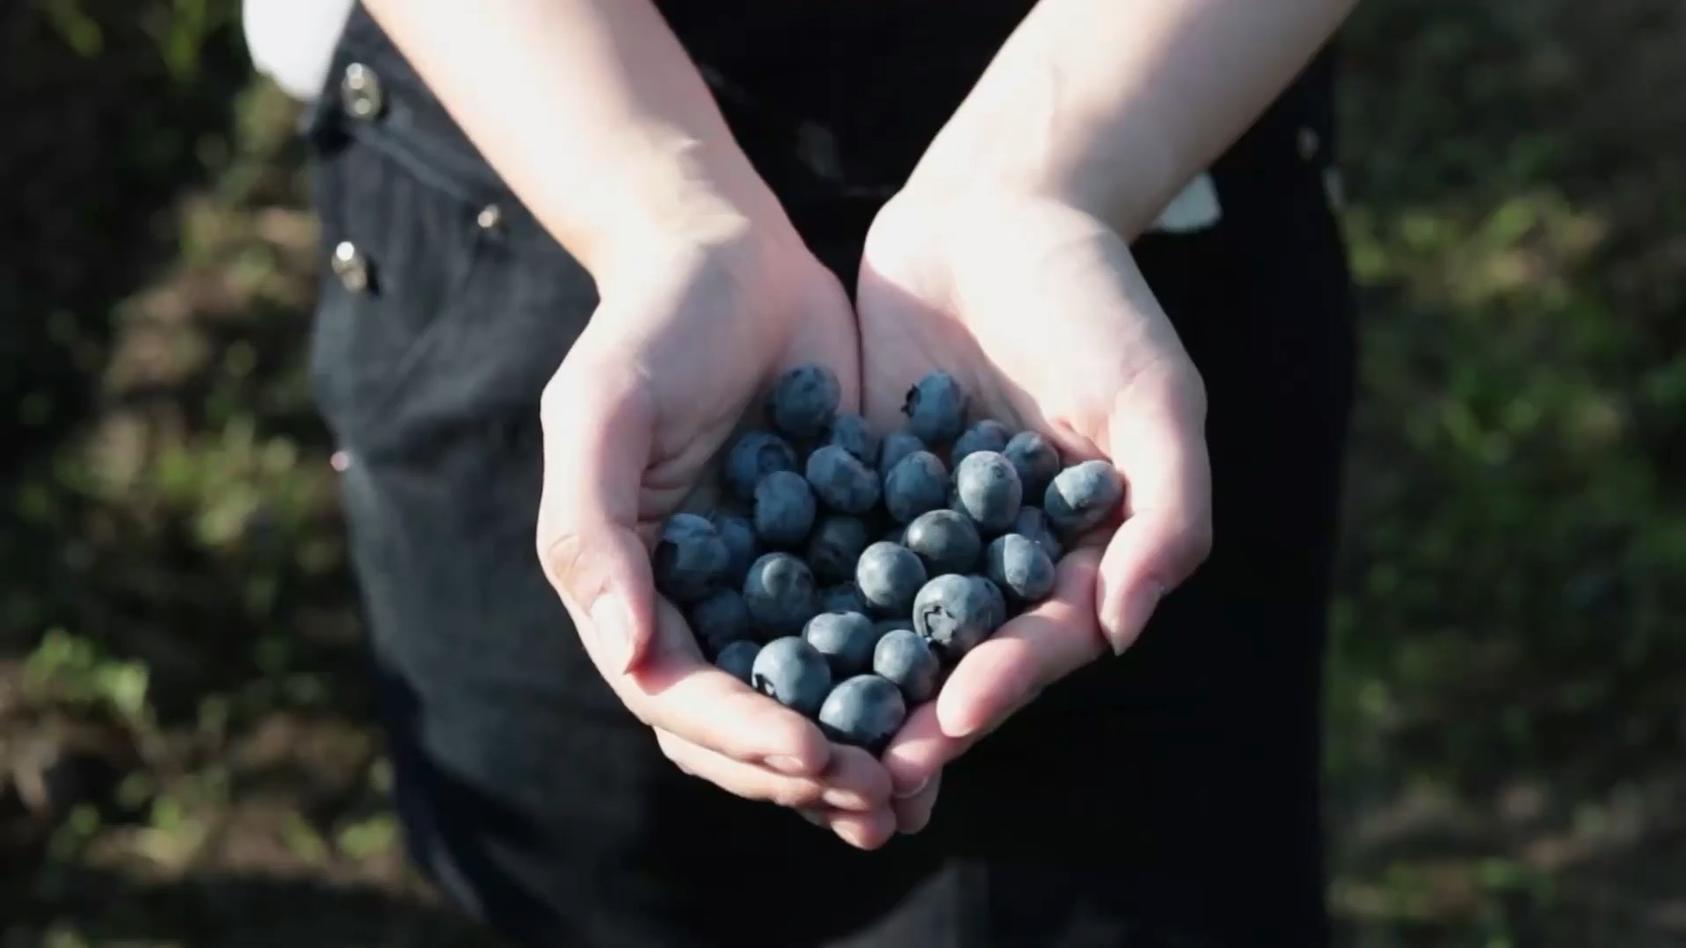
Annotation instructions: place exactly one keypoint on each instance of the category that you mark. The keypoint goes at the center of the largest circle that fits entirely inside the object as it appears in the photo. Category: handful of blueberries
(795, 599)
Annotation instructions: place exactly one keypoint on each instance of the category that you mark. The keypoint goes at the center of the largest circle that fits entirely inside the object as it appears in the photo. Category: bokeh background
(185, 749)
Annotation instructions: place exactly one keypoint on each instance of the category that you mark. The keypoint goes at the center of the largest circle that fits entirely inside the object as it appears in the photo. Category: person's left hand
(1039, 310)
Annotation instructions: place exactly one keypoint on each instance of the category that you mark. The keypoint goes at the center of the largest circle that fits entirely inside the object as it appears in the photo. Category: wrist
(664, 194)
(959, 171)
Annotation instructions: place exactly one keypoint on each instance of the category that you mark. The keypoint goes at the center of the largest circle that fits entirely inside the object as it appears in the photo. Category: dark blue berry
(804, 401)
(985, 435)
(784, 509)
(841, 481)
(936, 408)
(719, 619)
(1082, 497)
(844, 597)
(689, 558)
(1020, 568)
(897, 446)
(739, 536)
(835, 545)
(988, 490)
(918, 482)
(954, 613)
(779, 592)
(889, 576)
(793, 674)
(884, 626)
(1031, 523)
(1035, 458)
(997, 601)
(850, 432)
(906, 661)
(946, 541)
(753, 456)
(865, 711)
(845, 639)
(738, 659)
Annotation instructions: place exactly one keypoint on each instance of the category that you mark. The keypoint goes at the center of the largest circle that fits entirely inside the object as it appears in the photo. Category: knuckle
(794, 794)
(561, 552)
(670, 749)
(1194, 543)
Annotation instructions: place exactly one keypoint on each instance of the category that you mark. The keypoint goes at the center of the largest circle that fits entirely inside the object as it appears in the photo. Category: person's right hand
(686, 338)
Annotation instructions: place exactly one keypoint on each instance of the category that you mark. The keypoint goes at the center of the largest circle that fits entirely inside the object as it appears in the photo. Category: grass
(182, 705)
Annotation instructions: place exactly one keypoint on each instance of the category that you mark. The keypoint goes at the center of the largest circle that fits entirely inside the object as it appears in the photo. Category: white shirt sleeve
(292, 41)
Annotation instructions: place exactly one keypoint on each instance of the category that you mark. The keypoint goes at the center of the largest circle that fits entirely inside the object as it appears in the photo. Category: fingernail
(915, 791)
(844, 800)
(614, 634)
(787, 765)
(1147, 601)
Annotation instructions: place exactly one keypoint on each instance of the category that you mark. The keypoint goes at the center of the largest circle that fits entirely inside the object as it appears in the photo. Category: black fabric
(1165, 798)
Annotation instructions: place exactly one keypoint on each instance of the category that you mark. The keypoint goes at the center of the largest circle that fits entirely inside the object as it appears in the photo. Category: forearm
(592, 113)
(1114, 105)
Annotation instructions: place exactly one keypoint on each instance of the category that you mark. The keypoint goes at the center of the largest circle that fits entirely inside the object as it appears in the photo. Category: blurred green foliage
(1505, 717)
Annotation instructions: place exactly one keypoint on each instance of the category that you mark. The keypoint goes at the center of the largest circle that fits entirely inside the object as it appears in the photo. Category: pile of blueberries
(795, 598)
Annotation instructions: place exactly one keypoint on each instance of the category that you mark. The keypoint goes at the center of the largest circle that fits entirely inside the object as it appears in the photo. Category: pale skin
(1004, 260)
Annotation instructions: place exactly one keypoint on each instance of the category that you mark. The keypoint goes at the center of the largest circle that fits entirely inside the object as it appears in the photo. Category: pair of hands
(1036, 307)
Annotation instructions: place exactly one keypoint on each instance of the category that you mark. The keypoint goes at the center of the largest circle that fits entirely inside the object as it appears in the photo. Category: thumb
(597, 432)
(1158, 442)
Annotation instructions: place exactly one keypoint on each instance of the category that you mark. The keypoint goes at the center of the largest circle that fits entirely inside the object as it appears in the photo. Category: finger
(1037, 648)
(913, 813)
(675, 690)
(828, 336)
(850, 784)
(596, 444)
(867, 830)
(1158, 441)
(1001, 675)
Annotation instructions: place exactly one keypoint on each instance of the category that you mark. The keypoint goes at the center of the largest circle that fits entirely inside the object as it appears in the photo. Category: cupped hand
(1039, 310)
(680, 348)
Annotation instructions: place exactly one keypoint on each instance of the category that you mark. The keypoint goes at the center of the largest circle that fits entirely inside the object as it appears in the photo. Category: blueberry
(841, 481)
(885, 626)
(988, 490)
(889, 576)
(1035, 458)
(843, 597)
(845, 639)
(793, 673)
(739, 536)
(918, 482)
(850, 432)
(1031, 523)
(865, 711)
(896, 534)
(689, 558)
(1020, 567)
(779, 592)
(954, 613)
(784, 509)
(753, 456)
(804, 401)
(897, 446)
(906, 661)
(936, 408)
(835, 545)
(719, 619)
(986, 435)
(947, 541)
(738, 659)
(1082, 497)
(997, 601)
